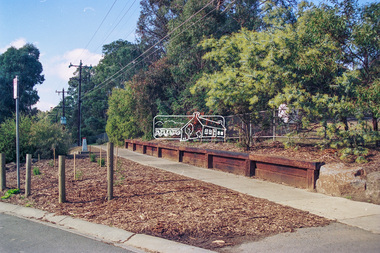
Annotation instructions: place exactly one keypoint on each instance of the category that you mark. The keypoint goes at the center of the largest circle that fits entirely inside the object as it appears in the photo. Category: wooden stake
(100, 163)
(117, 154)
(75, 173)
(61, 179)
(110, 170)
(54, 156)
(3, 181)
(28, 179)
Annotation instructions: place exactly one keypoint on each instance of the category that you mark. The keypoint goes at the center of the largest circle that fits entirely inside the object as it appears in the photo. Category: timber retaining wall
(302, 174)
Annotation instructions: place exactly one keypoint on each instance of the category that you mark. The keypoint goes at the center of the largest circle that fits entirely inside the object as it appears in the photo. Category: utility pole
(80, 66)
(63, 118)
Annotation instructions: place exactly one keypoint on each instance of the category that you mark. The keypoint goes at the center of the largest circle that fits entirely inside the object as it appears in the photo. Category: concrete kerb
(118, 237)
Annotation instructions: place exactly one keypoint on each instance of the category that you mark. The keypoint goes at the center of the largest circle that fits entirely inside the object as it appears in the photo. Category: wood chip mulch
(159, 203)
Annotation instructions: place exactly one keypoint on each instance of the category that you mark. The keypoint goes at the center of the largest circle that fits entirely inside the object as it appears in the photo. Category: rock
(373, 187)
(338, 180)
(219, 243)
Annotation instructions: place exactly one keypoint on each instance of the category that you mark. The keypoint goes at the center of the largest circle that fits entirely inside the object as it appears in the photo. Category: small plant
(357, 155)
(36, 171)
(10, 193)
(51, 163)
(102, 162)
(92, 158)
(79, 175)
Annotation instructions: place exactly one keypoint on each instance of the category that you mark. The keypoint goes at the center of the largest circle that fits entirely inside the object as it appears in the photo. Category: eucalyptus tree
(23, 62)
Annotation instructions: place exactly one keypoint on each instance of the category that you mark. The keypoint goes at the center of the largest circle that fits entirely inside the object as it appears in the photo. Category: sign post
(16, 97)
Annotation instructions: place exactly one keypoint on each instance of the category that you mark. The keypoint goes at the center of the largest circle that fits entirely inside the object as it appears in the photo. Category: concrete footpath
(361, 218)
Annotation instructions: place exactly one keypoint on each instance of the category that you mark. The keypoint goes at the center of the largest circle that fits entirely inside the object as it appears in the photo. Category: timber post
(61, 179)
(3, 181)
(28, 175)
(110, 170)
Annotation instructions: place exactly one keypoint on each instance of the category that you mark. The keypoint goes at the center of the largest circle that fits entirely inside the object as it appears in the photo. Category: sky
(67, 31)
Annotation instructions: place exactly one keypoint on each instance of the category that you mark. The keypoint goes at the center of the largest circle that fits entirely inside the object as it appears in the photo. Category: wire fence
(276, 124)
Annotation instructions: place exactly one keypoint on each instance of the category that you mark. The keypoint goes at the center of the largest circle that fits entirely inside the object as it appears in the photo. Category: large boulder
(339, 180)
(373, 187)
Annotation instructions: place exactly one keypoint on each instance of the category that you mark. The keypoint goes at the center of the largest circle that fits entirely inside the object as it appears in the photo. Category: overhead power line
(162, 39)
(97, 29)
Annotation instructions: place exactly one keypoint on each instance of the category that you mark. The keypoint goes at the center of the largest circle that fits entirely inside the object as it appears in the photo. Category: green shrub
(10, 193)
(102, 162)
(36, 171)
(46, 137)
(37, 136)
(92, 158)
(8, 136)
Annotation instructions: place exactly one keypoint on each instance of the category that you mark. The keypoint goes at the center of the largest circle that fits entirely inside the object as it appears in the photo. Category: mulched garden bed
(159, 203)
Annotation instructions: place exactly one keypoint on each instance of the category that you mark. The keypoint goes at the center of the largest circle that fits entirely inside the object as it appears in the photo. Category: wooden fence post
(110, 170)
(54, 156)
(3, 181)
(28, 175)
(116, 157)
(75, 173)
(100, 159)
(61, 179)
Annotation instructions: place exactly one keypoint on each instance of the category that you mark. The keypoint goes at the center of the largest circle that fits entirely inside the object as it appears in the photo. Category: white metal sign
(15, 87)
(186, 127)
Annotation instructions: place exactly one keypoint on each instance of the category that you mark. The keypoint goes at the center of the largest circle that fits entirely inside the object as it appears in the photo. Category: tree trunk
(375, 128)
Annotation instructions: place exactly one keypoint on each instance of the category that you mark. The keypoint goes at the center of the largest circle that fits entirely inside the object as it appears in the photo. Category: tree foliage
(24, 63)
(242, 57)
(36, 136)
(122, 123)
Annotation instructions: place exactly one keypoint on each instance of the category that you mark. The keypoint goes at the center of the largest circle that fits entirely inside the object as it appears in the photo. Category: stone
(338, 180)
(373, 187)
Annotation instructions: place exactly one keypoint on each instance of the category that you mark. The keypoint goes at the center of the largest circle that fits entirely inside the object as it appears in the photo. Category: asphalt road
(21, 235)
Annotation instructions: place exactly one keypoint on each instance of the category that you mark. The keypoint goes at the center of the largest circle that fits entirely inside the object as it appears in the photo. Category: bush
(36, 171)
(46, 136)
(102, 162)
(92, 158)
(37, 136)
(8, 137)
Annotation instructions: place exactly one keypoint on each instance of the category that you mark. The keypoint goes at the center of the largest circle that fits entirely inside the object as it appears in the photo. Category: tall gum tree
(23, 62)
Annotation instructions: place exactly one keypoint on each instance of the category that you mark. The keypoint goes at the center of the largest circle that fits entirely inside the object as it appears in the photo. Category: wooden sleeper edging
(302, 174)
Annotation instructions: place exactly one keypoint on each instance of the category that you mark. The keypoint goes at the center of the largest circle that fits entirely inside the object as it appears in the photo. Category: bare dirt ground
(159, 203)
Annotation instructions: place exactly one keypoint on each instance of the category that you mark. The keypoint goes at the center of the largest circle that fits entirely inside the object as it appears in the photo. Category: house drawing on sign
(203, 127)
(198, 127)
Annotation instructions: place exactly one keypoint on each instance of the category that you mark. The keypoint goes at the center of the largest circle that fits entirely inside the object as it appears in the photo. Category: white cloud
(59, 66)
(57, 74)
(88, 9)
(16, 43)
(44, 106)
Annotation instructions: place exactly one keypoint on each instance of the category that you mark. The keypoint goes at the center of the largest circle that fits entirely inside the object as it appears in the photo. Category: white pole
(16, 96)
